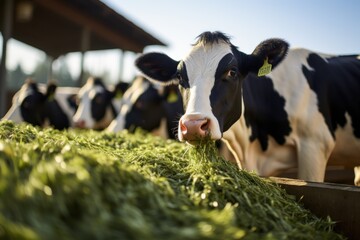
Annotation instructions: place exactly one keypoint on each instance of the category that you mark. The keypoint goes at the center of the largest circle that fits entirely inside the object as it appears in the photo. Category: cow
(43, 106)
(275, 108)
(151, 107)
(98, 105)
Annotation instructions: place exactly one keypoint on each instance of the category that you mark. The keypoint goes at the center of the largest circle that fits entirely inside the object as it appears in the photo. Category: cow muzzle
(194, 130)
(80, 124)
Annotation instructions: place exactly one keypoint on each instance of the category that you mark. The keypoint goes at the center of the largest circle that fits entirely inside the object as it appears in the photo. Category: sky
(328, 26)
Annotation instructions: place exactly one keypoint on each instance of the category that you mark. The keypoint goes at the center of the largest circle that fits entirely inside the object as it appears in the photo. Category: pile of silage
(94, 185)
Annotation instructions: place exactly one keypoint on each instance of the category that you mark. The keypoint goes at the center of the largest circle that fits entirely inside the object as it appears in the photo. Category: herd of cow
(100, 107)
(276, 109)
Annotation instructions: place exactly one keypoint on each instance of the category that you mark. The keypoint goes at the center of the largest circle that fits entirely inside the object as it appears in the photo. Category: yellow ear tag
(173, 97)
(265, 69)
(118, 95)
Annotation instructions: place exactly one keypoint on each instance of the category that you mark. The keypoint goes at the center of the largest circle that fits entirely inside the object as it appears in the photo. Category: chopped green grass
(94, 185)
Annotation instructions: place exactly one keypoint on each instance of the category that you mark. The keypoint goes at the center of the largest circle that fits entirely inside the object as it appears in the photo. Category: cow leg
(312, 160)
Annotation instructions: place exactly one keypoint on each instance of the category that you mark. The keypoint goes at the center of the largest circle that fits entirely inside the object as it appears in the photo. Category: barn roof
(57, 27)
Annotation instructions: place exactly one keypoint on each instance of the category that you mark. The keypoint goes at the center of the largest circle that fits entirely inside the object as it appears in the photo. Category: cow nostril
(183, 128)
(80, 124)
(205, 126)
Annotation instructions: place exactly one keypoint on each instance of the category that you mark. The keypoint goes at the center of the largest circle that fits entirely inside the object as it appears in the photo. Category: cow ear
(266, 56)
(158, 67)
(120, 89)
(50, 91)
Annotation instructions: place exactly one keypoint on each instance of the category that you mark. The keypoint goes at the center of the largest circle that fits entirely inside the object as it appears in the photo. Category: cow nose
(80, 124)
(194, 129)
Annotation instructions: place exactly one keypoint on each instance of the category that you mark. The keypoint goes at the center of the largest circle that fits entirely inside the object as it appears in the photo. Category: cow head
(27, 105)
(54, 113)
(210, 79)
(96, 107)
(146, 106)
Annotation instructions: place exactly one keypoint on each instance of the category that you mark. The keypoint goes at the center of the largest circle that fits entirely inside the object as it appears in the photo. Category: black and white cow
(305, 113)
(98, 105)
(43, 105)
(151, 107)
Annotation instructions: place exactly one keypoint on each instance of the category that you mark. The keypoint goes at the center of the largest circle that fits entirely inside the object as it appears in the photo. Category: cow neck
(236, 139)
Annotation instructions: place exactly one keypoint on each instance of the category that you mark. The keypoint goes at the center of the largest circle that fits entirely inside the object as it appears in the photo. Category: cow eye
(139, 104)
(98, 99)
(26, 104)
(182, 81)
(232, 73)
(178, 76)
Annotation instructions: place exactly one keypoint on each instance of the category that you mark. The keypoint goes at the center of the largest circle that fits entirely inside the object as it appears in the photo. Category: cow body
(303, 113)
(153, 108)
(98, 105)
(304, 109)
(43, 105)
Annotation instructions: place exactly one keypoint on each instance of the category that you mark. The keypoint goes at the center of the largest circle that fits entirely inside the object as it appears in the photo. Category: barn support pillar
(85, 46)
(121, 65)
(6, 34)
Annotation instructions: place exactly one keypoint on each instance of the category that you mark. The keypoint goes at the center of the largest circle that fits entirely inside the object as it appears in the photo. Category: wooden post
(6, 34)
(85, 45)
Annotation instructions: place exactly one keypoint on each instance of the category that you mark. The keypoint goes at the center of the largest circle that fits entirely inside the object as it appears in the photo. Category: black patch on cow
(225, 97)
(100, 103)
(120, 89)
(146, 112)
(336, 83)
(72, 102)
(264, 111)
(99, 82)
(56, 115)
(31, 108)
(151, 107)
(158, 66)
(103, 100)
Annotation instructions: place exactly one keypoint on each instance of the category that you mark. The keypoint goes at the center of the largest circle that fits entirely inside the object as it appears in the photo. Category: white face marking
(201, 65)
